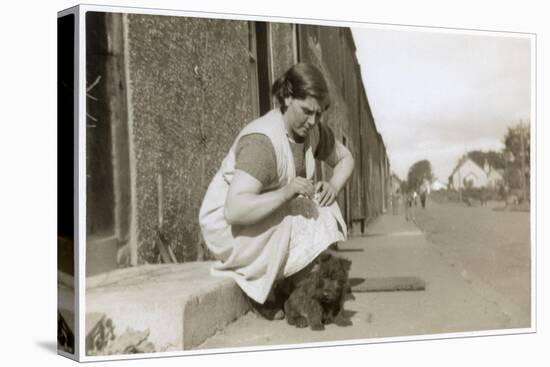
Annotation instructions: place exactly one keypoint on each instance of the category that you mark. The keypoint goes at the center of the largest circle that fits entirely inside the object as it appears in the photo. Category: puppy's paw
(301, 322)
(317, 327)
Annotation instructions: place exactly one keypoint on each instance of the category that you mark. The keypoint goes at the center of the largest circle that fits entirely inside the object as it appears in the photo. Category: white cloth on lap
(314, 229)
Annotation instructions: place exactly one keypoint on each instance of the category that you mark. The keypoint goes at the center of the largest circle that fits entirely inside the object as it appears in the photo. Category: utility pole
(522, 153)
(459, 183)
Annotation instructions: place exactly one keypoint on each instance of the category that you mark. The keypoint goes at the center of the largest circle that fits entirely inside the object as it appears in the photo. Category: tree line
(513, 162)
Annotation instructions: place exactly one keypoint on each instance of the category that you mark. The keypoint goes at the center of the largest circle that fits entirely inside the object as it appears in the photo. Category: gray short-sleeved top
(255, 154)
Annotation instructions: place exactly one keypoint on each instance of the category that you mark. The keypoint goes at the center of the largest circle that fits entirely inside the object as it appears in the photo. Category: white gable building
(468, 173)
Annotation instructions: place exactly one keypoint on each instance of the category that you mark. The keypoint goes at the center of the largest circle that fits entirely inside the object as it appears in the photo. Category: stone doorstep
(180, 304)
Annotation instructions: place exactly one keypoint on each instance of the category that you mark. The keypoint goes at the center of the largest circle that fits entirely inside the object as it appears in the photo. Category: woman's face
(301, 116)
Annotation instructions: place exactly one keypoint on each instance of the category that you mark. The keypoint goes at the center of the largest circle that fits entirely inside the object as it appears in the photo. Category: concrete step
(180, 304)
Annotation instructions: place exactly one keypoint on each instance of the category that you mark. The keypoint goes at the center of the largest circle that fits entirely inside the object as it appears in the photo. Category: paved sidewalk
(453, 301)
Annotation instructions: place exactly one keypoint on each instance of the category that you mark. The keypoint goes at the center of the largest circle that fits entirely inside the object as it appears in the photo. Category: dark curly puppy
(337, 270)
(319, 297)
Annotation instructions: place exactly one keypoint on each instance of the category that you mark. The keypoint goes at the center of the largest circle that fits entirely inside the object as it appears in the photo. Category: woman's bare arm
(342, 163)
(245, 204)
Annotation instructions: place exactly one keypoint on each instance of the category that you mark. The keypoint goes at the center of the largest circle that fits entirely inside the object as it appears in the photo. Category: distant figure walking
(424, 191)
(409, 209)
(395, 202)
(483, 196)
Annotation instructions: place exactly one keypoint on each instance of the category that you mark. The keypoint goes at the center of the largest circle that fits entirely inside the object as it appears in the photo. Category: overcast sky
(436, 94)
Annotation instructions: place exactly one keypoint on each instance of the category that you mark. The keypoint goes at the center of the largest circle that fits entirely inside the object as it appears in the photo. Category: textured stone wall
(190, 90)
(190, 94)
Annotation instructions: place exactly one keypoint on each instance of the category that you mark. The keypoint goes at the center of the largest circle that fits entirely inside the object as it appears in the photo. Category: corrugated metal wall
(333, 49)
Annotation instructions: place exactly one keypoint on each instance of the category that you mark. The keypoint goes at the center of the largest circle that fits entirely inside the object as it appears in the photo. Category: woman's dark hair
(301, 81)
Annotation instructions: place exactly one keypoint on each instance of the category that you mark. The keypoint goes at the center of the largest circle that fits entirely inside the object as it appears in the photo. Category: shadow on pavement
(356, 281)
(344, 318)
(374, 234)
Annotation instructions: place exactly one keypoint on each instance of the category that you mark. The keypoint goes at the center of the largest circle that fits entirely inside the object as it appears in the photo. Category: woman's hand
(327, 193)
(342, 163)
(299, 186)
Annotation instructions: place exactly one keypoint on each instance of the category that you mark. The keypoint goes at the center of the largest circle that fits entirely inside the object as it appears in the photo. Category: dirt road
(492, 245)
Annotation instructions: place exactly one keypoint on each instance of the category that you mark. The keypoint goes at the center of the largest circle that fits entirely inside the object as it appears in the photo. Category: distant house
(467, 173)
(437, 185)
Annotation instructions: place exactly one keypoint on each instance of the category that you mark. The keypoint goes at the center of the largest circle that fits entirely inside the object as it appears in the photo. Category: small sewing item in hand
(325, 193)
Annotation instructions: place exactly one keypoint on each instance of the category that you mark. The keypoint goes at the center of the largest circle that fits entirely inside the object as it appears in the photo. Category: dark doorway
(108, 181)
(263, 65)
(100, 218)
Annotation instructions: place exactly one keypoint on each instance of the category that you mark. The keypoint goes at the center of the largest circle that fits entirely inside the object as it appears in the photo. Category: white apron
(281, 244)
